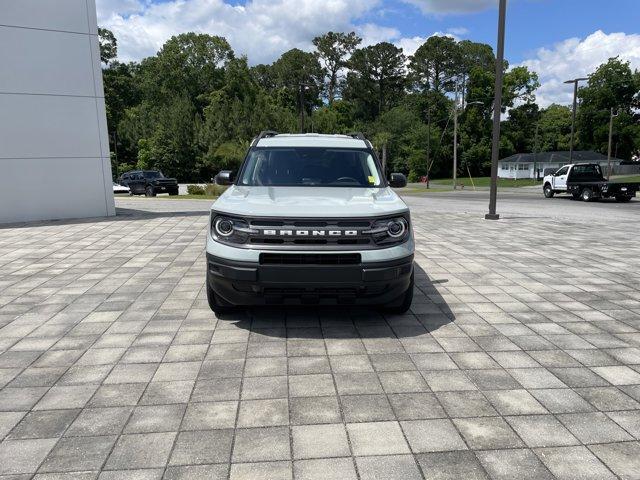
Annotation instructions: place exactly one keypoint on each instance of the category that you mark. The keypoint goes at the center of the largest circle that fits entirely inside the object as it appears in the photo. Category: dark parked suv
(149, 183)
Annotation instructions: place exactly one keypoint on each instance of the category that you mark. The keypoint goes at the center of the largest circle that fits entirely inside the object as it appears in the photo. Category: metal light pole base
(492, 216)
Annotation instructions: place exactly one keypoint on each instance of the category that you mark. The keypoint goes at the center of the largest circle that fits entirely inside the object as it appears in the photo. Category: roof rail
(358, 135)
(263, 134)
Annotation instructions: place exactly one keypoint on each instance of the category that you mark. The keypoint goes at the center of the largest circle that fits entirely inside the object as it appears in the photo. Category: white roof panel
(312, 140)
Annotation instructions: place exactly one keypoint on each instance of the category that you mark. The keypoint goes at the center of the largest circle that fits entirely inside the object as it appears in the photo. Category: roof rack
(358, 135)
(263, 134)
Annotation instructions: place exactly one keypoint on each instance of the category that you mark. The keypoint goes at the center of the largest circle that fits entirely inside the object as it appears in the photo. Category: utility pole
(428, 144)
(301, 101)
(610, 138)
(573, 115)
(497, 106)
(535, 153)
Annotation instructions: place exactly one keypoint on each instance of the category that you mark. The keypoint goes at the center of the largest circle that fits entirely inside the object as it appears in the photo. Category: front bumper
(253, 283)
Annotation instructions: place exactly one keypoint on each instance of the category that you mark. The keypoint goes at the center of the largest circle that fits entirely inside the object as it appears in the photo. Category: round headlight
(396, 228)
(224, 227)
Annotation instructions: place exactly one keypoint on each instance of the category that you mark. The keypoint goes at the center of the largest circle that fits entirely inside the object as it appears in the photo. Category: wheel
(403, 303)
(217, 304)
(587, 194)
(548, 191)
(623, 198)
(148, 192)
(173, 193)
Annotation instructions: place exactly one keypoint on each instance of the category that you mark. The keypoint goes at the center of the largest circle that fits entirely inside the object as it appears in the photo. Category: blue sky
(556, 38)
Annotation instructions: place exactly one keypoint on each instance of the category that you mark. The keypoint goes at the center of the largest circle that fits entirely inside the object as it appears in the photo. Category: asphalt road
(526, 202)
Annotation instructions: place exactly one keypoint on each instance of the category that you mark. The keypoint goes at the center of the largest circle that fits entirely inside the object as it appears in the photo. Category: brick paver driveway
(521, 358)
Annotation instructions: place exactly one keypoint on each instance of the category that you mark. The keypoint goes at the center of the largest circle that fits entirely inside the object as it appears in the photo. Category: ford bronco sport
(310, 219)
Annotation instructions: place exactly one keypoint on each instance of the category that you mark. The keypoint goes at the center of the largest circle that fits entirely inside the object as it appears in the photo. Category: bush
(214, 190)
(195, 190)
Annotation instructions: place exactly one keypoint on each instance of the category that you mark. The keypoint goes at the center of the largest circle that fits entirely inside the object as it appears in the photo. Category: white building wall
(54, 149)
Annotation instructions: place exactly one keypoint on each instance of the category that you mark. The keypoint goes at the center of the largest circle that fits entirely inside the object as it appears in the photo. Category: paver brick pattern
(520, 359)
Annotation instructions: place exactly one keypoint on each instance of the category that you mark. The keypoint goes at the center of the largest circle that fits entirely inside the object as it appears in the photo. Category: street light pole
(573, 114)
(455, 141)
(497, 106)
(610, 138)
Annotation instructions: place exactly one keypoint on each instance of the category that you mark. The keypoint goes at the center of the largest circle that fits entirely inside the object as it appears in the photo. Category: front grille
(309, 259)
(318, 233)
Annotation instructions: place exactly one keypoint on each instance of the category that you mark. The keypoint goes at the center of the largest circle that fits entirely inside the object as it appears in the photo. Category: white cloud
(372, 34)
(577, 57)
(107, 8)
(410, 44)
(451, 6)
(458, 31)
(261, 29)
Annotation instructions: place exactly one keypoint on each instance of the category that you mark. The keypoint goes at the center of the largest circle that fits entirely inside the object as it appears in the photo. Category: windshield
(153, 174)
(322, 167)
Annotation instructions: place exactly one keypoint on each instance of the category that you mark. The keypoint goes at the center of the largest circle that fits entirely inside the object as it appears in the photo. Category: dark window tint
(323, 167)
(586, 172)
(153, 174)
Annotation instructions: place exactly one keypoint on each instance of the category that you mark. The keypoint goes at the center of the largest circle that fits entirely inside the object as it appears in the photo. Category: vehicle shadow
(429, 312)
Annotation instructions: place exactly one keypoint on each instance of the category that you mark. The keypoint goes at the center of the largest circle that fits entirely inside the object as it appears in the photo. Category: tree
(298, 77)
(474, 55)
(333, 49)
(189, 63)
(377, 78)
(520, 127)
(554, 128)
(612, 86)
(108, 45)
(233, 115)
(435, 64)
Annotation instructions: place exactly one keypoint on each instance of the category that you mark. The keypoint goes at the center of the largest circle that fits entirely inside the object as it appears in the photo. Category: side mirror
(397, 180)
(225, 177)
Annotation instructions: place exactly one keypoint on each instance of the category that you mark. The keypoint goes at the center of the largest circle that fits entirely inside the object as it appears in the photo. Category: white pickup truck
(585, 181)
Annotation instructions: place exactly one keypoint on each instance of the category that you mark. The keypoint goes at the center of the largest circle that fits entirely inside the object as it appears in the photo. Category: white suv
(310, 219)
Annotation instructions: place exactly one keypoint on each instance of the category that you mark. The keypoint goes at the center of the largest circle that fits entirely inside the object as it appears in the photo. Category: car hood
(309, 202)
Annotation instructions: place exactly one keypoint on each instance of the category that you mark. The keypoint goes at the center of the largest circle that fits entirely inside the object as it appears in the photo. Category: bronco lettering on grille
(313, 233)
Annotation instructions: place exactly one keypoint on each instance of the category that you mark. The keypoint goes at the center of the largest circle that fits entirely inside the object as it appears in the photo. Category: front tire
(403, 303)
(623, 198)
(548, 191)
(148, 192)
(586, 195)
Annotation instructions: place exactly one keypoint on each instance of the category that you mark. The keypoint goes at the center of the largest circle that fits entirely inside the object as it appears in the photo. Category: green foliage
(554, 128)
(209, 190)
(436, 63)
(376, 80)
(612, 86)
(195, 190)
(213, 190)
(108, 45)
(297, 71)
(333, 49)
(193, 108)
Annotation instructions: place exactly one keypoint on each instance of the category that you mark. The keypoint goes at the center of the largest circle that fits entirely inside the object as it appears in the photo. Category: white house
(526, 165)
(54, 148)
